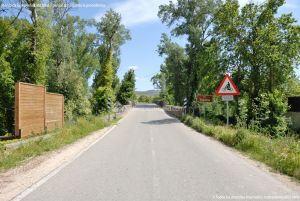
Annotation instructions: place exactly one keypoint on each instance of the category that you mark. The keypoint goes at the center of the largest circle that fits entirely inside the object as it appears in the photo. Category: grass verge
(70, 133)
(282, 154)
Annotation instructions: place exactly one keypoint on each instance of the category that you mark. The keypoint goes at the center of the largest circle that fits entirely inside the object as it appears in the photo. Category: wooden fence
(37, 111)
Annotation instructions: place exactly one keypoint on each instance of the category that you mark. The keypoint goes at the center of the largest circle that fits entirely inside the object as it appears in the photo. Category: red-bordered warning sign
(227, 87)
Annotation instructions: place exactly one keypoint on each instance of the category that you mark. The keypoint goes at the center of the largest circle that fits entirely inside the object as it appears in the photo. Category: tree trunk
(34, 17)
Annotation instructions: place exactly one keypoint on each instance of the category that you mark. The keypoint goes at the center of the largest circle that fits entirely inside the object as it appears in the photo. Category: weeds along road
(151, 156)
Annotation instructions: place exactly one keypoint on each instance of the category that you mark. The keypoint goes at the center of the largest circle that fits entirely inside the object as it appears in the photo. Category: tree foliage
(73, 60)
(7, 34)
(263, 50)
(194, 19)
(112, 35)
(127, 88)
(173, 71)
(256, 46)
(100, 99)
(48, 46)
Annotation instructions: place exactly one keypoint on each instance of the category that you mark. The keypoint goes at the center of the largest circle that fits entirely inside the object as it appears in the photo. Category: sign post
(204, 99)
(108, 107)
(184, 105)
(227, 89)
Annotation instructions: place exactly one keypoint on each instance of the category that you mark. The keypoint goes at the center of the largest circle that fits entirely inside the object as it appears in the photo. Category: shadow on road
(161, 121)
(146, 106)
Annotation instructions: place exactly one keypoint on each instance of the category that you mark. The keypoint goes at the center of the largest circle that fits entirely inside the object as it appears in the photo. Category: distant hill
(147, 93)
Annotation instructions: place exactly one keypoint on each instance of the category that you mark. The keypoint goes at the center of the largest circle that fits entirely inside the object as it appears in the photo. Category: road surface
(150, 156)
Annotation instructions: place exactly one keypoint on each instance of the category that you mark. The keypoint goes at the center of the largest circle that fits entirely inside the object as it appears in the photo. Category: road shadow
(146, 106)
(161, 121)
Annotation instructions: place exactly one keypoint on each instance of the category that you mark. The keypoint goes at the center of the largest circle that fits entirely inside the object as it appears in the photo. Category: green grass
(69, 134)
(282, 154)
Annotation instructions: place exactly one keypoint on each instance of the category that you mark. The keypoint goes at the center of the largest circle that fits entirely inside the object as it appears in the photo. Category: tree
(1, 9)
(100, 100)
(159, 82)
(112, 35)
(127, 88)
(194, 19)
(174, 68)
(144, 99)
(39, 37)
(264, 49)
(73, 60)
(7, 34)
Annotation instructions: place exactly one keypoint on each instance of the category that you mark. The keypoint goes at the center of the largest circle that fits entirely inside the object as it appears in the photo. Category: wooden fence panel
(36, 110)
(54, 111)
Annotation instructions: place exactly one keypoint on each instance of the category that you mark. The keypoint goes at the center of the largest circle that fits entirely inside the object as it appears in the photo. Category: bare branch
(16, 17)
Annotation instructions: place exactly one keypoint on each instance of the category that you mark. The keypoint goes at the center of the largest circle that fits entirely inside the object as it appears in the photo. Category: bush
(268, 114)
(239, 136)
(69, 134)
(100, 100)
(281, 153)
(144, 99)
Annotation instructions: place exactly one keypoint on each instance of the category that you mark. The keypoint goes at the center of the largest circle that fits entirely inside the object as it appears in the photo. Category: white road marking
(155, 178)
(57, 170)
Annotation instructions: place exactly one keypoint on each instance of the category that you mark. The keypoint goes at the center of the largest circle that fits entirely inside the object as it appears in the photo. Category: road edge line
(44, 179)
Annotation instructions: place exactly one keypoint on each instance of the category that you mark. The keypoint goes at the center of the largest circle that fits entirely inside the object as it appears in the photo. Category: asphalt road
(152, 156)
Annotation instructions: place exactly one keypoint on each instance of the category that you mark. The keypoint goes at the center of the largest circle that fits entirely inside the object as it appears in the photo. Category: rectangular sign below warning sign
(227, 98)
(203, 98)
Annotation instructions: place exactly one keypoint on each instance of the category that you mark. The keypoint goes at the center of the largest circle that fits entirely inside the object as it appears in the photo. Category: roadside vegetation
(144, 99)
(281, 153)
(51, 47)
(80, 128)
(258, 47)
(260, 50)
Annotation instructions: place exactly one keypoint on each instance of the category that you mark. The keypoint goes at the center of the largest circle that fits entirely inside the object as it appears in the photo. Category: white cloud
(133, 67)
(135, 12)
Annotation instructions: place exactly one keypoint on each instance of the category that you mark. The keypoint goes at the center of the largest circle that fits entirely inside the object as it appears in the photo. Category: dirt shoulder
(17, 180)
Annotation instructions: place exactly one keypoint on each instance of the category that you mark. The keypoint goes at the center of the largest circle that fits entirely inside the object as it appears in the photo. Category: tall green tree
(73, 60)
(127, 88)
(112, 35)
(7, 35)
(263, 49)
(194, 19)
(36, 49)
(159, 81)
(174, 68)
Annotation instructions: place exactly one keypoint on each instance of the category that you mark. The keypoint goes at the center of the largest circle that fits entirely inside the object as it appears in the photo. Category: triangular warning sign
(227, 87)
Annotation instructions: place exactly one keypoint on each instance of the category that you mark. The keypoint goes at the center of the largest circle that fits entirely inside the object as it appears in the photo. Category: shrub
(268, 114)
(69, 134)
(281, 153)
(100, 100)
(239, 136)
(144, 99)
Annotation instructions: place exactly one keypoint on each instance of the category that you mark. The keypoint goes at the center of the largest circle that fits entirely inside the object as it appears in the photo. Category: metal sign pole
(227, 113)
(227, 90)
